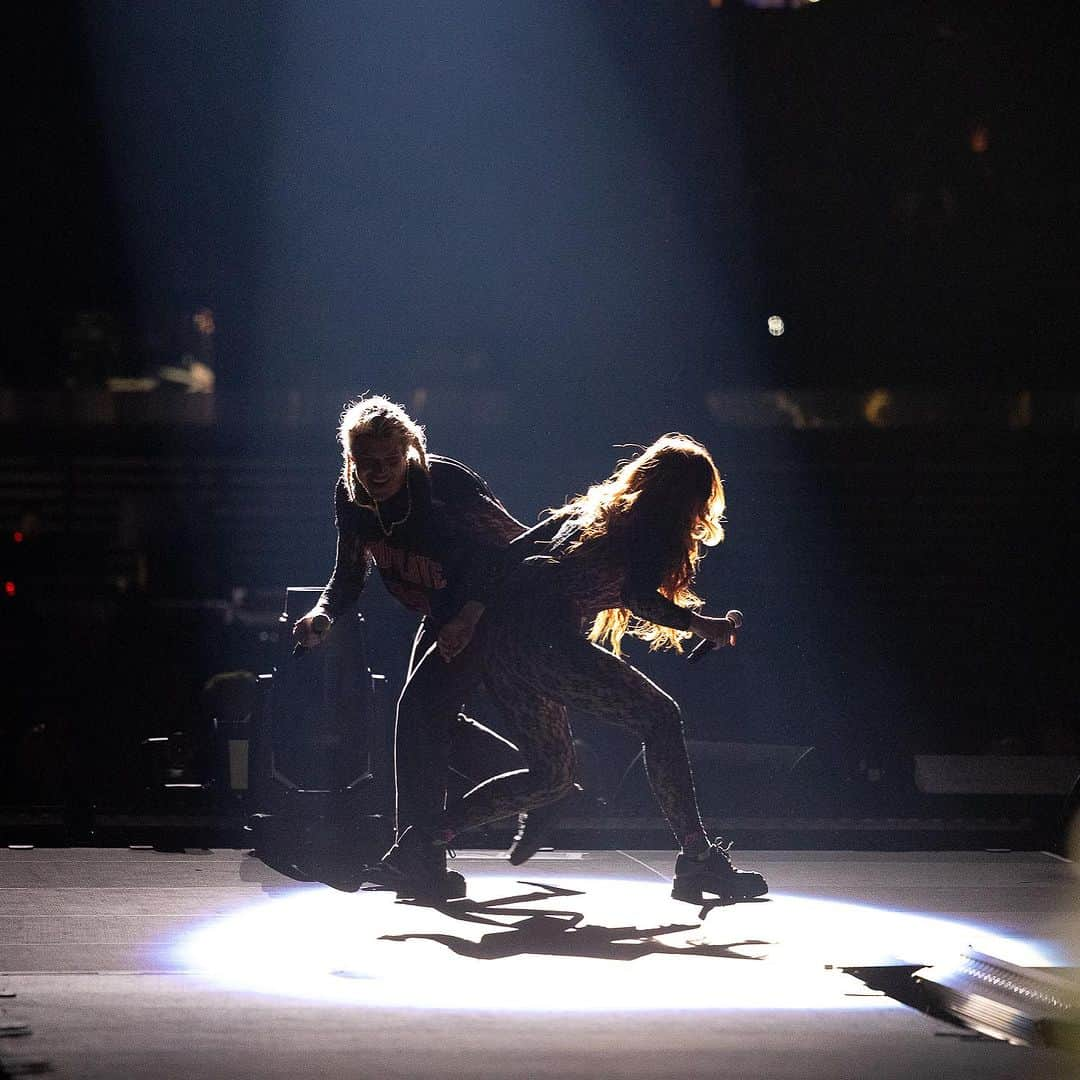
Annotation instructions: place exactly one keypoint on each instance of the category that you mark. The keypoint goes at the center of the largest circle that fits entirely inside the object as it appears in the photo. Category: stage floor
(209, 964)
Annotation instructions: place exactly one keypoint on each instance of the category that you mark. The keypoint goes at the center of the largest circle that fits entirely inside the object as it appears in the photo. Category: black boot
(714, 874)
(415, 867)
(537, 826)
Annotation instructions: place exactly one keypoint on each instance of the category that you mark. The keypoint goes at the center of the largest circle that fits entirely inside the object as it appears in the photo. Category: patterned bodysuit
(538, 663)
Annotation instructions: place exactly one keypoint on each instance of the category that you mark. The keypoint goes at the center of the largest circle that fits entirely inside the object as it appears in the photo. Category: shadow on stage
(560, 932)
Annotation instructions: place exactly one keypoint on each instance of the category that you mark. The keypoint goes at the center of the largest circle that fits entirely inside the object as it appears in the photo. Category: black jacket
(446, 550)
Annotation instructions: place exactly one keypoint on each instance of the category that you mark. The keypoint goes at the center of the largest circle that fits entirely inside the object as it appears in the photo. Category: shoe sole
(549, 825)
(696, 895)
(454, 887)
(520, 855)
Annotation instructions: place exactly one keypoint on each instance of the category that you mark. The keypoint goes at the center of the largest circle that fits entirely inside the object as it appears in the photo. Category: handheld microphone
(705, 646)
(319, 625)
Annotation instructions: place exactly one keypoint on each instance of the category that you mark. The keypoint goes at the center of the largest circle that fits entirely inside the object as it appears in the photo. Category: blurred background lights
(875, 407)
(776, 325)
(979, 139)
(203, 321)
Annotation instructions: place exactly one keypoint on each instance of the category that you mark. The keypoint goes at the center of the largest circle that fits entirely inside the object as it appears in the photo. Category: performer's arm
(496, 563)
(473, 504)
(641, 596)
(640, 591)
(481, 527)
(352, 565)
(652, 606)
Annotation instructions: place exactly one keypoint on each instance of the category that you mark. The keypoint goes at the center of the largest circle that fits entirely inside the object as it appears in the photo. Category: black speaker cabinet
(319, 741)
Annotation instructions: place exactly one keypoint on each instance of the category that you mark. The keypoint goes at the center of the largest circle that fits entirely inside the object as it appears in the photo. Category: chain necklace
(388, 529)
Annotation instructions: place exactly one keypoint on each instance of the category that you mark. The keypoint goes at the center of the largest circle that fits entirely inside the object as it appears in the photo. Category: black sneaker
(537, 826)
(714, 874)
(415, 867)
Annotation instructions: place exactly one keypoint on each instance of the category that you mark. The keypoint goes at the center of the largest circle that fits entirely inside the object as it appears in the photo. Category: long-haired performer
(437, 536)
(622, 559)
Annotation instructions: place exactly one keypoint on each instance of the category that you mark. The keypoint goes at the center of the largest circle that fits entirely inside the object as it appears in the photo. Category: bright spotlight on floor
(572, 944)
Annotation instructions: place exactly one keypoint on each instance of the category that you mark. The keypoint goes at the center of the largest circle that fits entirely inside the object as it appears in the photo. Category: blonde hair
(671, 489)
(379, 418)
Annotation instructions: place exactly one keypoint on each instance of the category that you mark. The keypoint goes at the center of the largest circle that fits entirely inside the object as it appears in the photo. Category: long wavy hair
(377, 417)
(670, 496)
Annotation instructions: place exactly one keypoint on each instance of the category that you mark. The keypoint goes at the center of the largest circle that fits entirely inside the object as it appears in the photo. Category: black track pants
(430, 723)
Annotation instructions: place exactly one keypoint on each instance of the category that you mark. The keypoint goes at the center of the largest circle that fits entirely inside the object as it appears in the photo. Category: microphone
(705, 646)
(319, 625)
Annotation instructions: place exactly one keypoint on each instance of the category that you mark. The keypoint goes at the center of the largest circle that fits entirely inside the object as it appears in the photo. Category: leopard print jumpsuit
(539, 664)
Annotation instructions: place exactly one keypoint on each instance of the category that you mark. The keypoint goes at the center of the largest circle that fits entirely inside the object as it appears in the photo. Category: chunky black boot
(714, 874)
(415, 867)
(537, 826)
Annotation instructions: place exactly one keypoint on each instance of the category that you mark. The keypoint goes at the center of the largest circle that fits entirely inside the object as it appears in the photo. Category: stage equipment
(318, 811)
(1038, 788)
(731, 778)
(230, 702)
(1068, 831)
(849, 780)
(996, 774)
(1022, 1005)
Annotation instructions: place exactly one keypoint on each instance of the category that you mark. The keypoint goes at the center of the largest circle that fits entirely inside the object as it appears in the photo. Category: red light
(9, 588)
(17, 536)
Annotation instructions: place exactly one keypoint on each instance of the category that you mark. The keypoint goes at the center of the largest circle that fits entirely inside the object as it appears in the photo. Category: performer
(437, 535)
(622, 556)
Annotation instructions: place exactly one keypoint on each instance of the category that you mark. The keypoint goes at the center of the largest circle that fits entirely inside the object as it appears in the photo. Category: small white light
(776, 325)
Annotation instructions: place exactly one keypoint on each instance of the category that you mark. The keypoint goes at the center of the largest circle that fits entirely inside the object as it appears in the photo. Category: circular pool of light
(585, 944)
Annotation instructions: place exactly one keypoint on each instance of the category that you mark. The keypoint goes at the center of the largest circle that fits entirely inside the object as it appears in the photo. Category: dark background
(547, 230)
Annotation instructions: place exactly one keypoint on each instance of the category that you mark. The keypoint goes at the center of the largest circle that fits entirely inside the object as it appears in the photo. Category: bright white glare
(776, 325)
(631, 948)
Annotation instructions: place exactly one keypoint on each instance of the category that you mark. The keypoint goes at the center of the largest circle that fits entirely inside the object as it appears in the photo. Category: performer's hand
(721, 632)
(310, 629)
(455, 635)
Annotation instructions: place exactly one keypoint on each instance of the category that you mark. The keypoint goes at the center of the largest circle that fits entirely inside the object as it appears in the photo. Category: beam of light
(593, 944)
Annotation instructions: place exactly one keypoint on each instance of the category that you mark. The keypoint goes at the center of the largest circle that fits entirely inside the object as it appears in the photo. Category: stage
(206, 963)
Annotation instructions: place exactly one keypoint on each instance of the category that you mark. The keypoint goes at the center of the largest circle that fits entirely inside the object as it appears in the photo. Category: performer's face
(381, 464)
